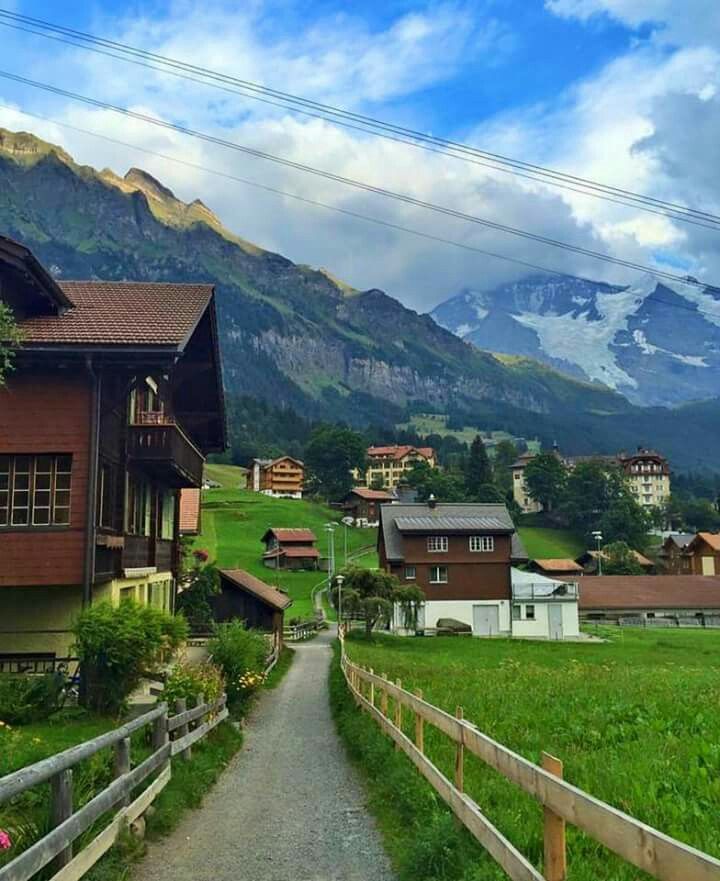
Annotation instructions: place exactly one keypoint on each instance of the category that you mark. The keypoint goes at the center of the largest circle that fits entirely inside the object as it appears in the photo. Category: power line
(348, 213)
(355, 184)
(249, 89)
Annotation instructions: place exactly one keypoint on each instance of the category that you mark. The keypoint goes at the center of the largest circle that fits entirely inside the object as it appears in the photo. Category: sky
(625, 92)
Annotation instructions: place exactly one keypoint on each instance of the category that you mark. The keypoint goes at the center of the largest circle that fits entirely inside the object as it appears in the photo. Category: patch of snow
(649, 349)
(580, 301)
(707, 304)
(463, 330)
(480, 312)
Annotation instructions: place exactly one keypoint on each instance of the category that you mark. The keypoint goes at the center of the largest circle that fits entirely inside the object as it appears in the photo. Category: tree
(545, 478)
(478, 472)
(695, 514)
(446, 486)
(9, 339)
(505, 454)
(371, 594)
(200, 583)
(330, 455)
(598, 497)
(619, 559)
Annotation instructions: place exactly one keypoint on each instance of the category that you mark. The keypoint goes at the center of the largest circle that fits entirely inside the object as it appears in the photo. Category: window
(516, 613)
(438, 575)
(106, 496)
(167, 527)
(530, 613)
(138, 506)
(35, 490)
(410, 573)
(437, 544)
(482, 543)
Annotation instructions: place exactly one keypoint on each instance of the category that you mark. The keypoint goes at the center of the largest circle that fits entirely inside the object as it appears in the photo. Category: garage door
(486, 620)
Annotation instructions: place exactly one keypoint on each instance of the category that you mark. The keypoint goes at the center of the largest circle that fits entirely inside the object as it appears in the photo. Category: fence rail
(68, 824)
(646, 848)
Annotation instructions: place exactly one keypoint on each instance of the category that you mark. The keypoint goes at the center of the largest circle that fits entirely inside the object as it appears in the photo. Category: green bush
(241, 654)
(118, 646)
(187, 681)
(25, 699)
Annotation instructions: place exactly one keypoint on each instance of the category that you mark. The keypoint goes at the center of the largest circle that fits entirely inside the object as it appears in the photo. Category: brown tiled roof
(372, 494)
(398, 451)
(243, 580)
(558, 565)
(189, 511)
(711, 538)
(639, 558)
(122, 313)
(302, 551)
(291, 535)
(650, 591)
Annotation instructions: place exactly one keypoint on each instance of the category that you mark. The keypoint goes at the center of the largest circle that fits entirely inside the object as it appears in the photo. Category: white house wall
(539, 628)
(460, 610)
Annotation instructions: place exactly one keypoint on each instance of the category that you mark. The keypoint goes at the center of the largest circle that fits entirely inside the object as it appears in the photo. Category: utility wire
(348, 213)
(355, 184)
(359, 122)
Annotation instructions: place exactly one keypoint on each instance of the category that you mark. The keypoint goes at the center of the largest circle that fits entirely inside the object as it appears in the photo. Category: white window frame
(530, 616)
(481, 544)
(409, 577)
(437, 544)
(42, 495)
(436, 579)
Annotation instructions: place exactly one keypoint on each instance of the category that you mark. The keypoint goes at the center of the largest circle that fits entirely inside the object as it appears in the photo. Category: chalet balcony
(544, 592)
(161, 448)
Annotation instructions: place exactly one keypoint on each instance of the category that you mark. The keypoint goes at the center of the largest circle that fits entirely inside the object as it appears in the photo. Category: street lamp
(346, 521)
(330, 529)
(598, 536)
(340, 580)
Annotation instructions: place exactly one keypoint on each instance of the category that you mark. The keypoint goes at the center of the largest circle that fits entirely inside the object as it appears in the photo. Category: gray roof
(518, 553)
(682, 539)
(419, 517)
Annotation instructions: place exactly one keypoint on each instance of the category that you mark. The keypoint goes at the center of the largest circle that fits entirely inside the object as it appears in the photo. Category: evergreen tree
(478, 471)
(545, 477)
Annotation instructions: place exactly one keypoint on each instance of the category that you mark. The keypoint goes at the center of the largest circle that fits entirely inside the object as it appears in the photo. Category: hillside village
(288, 565)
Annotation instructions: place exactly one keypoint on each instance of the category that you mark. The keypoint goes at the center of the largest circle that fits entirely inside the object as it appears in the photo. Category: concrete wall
(539, 628)
(460, 610)
(38, 619)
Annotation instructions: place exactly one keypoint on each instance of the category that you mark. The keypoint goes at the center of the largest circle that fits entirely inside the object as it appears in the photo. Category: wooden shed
(243, 596)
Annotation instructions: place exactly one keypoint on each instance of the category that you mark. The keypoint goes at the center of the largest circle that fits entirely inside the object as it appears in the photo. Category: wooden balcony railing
(162, 448)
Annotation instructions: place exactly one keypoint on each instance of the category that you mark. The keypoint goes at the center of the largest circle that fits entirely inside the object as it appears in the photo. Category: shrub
(26, 699)
(201, 583)
(118, 646)
(187, 681)
(241, 654)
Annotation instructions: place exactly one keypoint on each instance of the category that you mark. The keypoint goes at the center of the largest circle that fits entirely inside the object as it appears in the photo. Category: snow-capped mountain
(656, 342)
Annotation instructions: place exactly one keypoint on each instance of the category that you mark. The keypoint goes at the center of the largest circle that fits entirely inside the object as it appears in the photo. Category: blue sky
(593, 87)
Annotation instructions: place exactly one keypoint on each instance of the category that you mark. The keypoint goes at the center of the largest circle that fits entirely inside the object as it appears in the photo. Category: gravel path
(289, 807)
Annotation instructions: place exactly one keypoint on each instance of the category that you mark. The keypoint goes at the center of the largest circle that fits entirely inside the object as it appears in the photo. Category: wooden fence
(171, 736)
(657, 854)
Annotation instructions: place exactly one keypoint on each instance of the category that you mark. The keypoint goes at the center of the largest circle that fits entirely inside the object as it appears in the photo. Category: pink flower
(201, 554)
(5, 842)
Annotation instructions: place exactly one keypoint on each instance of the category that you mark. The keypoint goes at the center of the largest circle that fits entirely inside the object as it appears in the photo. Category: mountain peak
(28, 148)
(149, 185)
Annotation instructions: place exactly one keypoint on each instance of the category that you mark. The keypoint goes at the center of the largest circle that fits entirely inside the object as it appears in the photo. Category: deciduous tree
(9, 339)
(545, 477)
(371, 595)
(331, 454)
(619, 559)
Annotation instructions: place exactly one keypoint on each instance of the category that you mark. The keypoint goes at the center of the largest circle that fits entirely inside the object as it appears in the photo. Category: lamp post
(346, 521)
(340, 580)
(330, 529)
(598, 536)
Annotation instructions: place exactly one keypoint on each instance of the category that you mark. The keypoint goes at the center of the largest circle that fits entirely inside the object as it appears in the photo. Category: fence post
(121, 764)
(160, 734)
(460, 755)
(398, 711)
(419, 725)
(555, 863)
(182, 730)
(384, 697)
(371, 698)
(61, 808)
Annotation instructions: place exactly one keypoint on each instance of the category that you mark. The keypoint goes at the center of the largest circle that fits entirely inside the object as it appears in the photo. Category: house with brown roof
(244, 597)
(282, 478)
(704, 553)
(589, 561)
(290, 549)
(189, 511)
(673, 555)
(388, 465)
(363, 504)
(665, 599)
(558, 566)
(115, 401)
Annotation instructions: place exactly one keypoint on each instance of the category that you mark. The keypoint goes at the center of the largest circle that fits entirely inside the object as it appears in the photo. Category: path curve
(289, 807)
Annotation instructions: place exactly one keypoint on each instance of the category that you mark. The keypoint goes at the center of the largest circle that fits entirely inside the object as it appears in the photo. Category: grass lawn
(635, 721)
(233, 521)
(543, 543)
(228, 476)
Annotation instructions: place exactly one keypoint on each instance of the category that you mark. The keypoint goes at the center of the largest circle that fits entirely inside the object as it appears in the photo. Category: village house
(282, 478)
(388, 465)
(673, 555)
(363, 504)
(244, 597)
(560, 567)
(647, 473)
(589, 561)
(704, 553)
(660, 600)
(461, 556)
(290, 549)
(116, 400)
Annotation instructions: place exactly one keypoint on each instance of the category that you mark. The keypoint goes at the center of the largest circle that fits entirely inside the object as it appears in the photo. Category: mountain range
(296, 336)
(656, 342)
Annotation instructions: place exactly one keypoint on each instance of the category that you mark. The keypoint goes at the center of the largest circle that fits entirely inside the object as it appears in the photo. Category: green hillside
(228, 476)
(542, 543)
(233, 521)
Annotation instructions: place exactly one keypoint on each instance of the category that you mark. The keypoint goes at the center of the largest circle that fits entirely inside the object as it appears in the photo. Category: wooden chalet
(589, 561)
(290, 549)
(363, 504)
(283, 477)
(243, 596)
(704, 553)
(674, 557)
(114, 403)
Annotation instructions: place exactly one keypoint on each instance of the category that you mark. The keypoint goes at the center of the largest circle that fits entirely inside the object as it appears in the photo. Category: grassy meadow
(233, 522)
(635, 721)
(544, 543)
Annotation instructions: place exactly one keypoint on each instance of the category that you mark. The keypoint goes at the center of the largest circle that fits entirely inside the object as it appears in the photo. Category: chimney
(431, 501)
